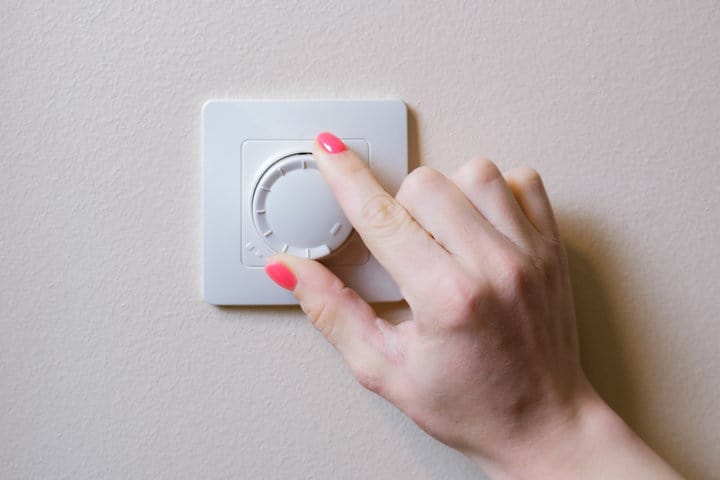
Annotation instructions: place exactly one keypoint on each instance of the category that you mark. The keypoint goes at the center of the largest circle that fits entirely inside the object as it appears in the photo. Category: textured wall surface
(111, 365)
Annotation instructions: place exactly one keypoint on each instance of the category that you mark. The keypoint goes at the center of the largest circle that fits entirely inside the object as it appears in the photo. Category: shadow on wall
(600, 345)
(601, 349)
(414, 153)
(605, 358)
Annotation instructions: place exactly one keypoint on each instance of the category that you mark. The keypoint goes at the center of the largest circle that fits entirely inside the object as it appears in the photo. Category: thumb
(346, 320)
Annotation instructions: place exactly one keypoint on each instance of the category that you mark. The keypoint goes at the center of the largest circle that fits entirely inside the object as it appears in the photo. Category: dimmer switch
(263, 193)
(289, 207)
(294, 210)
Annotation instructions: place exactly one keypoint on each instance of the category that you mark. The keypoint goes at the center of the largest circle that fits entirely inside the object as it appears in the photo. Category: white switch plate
(243, 144)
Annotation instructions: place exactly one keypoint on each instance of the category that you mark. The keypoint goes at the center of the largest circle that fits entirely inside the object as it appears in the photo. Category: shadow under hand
(601, 349)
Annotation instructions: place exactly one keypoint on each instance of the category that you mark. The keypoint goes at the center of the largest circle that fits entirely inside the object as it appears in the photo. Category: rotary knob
(294, 210)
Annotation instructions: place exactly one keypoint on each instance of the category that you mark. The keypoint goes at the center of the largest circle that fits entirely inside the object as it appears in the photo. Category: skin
(486, 357)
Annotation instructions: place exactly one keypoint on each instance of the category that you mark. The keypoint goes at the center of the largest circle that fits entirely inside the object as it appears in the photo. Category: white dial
(294, 210)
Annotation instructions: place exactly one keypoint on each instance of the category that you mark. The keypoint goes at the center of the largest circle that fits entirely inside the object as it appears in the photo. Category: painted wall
(111, 365)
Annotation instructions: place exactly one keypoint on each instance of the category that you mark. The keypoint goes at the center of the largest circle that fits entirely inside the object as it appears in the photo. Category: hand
(488, 363)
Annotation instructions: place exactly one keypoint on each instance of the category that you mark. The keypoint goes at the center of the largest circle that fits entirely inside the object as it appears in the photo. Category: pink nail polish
(281, 274)
(330, 143)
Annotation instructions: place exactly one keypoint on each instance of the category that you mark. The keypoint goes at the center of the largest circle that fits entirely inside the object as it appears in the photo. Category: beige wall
(111, 365)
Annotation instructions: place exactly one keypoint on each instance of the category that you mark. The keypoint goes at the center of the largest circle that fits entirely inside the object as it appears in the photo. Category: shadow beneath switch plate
(263, 310)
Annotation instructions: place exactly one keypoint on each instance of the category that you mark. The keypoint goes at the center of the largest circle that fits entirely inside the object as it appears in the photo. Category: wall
(111, 366)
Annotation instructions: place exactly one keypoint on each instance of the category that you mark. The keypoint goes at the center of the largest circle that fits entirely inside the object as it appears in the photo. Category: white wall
(111, 366)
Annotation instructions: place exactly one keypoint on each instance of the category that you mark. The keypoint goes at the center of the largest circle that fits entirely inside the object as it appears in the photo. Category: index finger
(398, 242)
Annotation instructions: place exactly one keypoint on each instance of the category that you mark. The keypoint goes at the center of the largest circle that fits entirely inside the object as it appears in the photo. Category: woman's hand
(488, 363)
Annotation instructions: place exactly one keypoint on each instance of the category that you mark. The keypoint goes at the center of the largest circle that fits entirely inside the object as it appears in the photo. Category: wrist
(593, 443)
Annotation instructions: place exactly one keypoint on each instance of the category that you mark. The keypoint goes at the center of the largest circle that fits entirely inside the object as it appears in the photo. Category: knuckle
(417, 183)
(551, 258)
(424, 176)
(480, 171)
(519, 274)
(381, 212)
(464, 298)
(526, 176)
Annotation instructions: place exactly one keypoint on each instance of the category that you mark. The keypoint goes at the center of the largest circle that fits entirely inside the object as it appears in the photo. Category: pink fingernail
(281, 274)
(330, 143)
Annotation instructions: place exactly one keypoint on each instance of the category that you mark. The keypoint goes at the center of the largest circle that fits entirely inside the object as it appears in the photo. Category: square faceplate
(243, 140)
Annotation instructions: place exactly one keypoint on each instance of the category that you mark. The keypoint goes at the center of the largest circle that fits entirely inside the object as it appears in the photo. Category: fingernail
(281, 274)
(330, 143)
